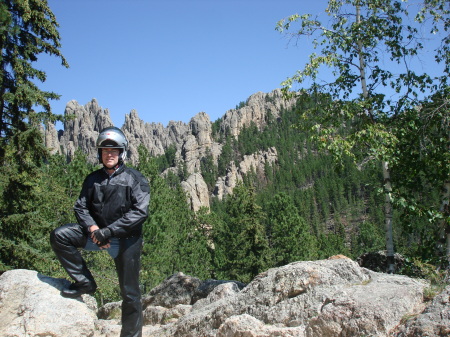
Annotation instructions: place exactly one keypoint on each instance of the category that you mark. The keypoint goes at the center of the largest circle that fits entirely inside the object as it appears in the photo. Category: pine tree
(21, 192)
(209, 170)
(28, 28)
(33, 203)
(225, 157)
(241, 246)
(290, 237)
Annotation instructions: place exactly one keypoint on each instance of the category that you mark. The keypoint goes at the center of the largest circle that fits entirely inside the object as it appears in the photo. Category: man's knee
(55, 237)
(69, 234)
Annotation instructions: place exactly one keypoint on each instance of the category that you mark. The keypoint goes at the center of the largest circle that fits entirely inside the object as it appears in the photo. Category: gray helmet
(112, 137)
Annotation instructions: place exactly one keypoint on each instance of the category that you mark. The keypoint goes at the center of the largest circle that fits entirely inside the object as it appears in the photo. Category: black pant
(65, 242)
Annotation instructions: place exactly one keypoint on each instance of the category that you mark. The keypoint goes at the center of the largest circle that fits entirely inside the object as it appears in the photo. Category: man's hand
(101, 237)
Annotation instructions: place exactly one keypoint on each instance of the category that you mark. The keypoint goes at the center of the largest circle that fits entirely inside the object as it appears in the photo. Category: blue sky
(171, 59)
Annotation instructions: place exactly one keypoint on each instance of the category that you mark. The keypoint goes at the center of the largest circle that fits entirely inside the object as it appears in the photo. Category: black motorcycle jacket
(119, 202)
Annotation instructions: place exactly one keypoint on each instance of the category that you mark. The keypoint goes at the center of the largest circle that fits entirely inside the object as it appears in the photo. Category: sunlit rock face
(331, 297)
(192, 142)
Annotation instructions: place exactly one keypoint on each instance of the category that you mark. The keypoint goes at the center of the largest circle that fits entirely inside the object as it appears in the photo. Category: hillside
(254, 142)
(216, 150)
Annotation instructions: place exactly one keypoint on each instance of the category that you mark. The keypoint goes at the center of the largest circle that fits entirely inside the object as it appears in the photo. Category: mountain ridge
(193, 141)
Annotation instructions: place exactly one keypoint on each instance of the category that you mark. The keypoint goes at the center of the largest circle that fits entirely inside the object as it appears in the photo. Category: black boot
(76, 289)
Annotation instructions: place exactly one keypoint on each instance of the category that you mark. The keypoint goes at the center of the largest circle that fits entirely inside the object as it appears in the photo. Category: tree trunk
(362, 65)
(388, 214)
(445, 210)
(386, 174)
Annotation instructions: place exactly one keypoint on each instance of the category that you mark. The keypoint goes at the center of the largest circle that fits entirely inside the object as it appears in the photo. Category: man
(111, 209)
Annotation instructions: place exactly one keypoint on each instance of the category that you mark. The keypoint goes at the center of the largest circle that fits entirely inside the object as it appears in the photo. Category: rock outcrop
(255, 162)
(333, 297)
(377, 261)
(83, 128)
(193, 141)
(433, 321)
(197, 191)
(258, 109)
(321, 298)
(30, 305)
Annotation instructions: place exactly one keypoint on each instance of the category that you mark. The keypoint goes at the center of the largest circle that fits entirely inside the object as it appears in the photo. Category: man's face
(110, 157)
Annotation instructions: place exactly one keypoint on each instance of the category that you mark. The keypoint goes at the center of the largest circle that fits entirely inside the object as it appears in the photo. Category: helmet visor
(109, 144)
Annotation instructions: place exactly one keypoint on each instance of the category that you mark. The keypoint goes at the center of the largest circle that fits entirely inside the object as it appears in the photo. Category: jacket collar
(117, 170)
